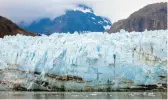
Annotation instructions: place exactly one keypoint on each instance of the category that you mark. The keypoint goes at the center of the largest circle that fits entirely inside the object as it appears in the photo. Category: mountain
(151, 17)
(80, 19)
(7, 27)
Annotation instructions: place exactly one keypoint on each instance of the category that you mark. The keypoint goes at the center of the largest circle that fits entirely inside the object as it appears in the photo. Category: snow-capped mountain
(80, 19)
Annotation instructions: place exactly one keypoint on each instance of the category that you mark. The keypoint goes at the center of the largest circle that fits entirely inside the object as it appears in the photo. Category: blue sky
(29, 10)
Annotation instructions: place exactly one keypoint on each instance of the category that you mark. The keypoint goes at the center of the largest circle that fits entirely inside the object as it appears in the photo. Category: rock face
(80, 19)
(7, 27)
(151, 17)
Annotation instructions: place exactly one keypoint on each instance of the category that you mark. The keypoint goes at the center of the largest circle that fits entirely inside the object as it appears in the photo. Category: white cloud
(28, 10)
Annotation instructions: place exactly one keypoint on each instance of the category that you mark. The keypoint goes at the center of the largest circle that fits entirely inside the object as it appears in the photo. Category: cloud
(29, 10)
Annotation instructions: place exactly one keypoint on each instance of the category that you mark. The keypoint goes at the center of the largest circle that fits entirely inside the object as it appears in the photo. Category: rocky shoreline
(17, 83)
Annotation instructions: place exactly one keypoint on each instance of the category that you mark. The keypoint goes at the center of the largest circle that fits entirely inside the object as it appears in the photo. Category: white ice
(100, 57)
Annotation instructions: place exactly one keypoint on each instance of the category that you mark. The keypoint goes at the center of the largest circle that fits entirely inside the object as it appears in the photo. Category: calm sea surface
(82, 95)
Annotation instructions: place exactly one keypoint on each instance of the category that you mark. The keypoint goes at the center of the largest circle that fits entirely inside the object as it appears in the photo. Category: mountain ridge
(150, 17)
(7, 27)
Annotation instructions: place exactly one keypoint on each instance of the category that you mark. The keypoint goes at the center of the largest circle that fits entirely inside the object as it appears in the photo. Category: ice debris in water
(134, 57)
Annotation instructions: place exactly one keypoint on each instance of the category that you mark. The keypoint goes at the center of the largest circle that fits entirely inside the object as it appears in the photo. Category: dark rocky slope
(7, 27)
(151, 17)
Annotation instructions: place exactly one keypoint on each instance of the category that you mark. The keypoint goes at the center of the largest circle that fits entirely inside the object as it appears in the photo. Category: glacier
(89, 61)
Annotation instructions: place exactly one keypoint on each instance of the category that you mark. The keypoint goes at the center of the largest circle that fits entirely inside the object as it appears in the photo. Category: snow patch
(93, 18)
(107, 27)
(83, 10)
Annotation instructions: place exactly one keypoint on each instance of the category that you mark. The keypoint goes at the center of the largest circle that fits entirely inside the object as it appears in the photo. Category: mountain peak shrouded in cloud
(80, 19)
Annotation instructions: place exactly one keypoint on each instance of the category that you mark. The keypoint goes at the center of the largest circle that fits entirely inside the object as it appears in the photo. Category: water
(82, 95)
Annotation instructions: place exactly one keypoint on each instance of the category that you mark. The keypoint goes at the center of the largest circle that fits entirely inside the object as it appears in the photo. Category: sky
(30, 10)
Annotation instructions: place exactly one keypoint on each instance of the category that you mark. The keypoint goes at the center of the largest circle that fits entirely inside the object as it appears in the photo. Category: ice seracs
(98, 60)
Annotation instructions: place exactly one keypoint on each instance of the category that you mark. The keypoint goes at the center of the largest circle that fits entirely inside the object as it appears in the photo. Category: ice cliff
(84, 61)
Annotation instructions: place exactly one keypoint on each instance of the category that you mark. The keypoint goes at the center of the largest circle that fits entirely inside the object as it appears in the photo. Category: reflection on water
(82, 95)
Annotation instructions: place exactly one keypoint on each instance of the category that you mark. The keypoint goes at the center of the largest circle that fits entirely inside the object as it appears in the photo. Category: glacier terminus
(84, 62)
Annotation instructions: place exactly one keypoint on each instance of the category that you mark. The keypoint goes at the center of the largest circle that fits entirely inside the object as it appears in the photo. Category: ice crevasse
(82, 61)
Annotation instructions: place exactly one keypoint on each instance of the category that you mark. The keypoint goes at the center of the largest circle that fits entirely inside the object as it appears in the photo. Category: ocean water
(82, 95)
